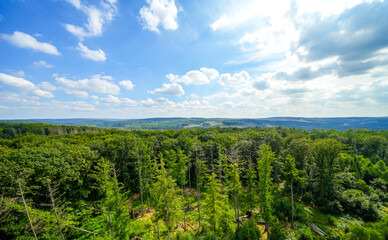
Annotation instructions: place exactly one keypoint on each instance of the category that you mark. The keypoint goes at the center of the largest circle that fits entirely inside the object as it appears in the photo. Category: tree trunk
(110, 223)
(199, 206)
(292, 206)
(188, 164)
(25, 207)
(212, 157)
(141, 193)
(198, 192)
(148, 201)
(157, 224)
(183, 205)
(55, 210)
(226, 229)
(168, 225)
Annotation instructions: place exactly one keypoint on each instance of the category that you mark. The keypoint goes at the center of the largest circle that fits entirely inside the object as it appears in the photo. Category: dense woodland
(62, 182)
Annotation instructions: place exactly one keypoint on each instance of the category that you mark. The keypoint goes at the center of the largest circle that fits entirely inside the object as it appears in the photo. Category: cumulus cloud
(220, 23)
(43, 64)
(159, 12)
(24, 85)
(97, 17)
(172, 89)
(47, 86)
(127, 84)
(24, 40)
(16, 82)
(227, 79)
(95, 84)
(95, 55)
(195, 77)
(111, 99)
(355, 38)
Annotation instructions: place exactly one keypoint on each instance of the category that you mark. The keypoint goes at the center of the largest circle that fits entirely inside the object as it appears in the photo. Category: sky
(202, 58)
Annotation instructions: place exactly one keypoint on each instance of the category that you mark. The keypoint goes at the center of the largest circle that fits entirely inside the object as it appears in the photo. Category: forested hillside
(340, 124)
(215, 183)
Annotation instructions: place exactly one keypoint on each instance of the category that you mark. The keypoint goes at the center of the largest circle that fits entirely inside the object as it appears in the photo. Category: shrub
(249, 231)
(356, 202)
(278, 232)
(362, 233)
(305, 234)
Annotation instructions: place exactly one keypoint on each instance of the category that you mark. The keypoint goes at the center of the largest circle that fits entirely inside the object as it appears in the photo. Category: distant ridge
(338, 123)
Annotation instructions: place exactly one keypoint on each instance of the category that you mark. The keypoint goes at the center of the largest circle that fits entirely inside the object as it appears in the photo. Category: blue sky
(203, 58)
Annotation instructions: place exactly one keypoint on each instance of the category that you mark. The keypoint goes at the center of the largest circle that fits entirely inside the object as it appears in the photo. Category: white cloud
(195, 77)
(24, 85)
(111, 99)
(82, 88)
(42, 63)
(16, 82)
(159, 12)
(64, 105)
(75, 3)
(229, 80)
(95, 55)
(19, 74)
(127, 84)
(47, 86)
(221, 22)
(173, 89)
(24, 40)
(97, 17)
(42, 93)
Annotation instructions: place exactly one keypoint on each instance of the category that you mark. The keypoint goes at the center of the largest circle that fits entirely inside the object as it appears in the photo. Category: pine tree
(251, 186)
(182, 167)
(166, 195)
(215, 207)
(265, 183)
(115, 201)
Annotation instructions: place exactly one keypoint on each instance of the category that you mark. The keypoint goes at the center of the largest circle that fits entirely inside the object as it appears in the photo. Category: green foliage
(277, 232)
(356, 202)
(93, 171)
(215, 208)
(249, 231)
(305, 234)
(325, 153)
(362, 233)
(166, 193)
(265, 182)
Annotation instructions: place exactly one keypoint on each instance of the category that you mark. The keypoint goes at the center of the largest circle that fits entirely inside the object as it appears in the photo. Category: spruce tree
(265, 183)
(166, 195)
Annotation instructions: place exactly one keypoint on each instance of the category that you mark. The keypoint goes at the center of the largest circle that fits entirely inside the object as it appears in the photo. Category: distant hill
(340, 124)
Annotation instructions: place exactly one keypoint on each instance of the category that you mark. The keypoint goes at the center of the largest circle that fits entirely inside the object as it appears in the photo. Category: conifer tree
(265, 183)
(182, 167)
(166, 195)
(215, 207)
(115, 201)
(251, 186)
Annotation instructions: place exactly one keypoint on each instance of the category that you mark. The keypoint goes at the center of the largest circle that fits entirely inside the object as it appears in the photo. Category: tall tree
(265, 183)
(251, 186)
(292, 175)
(215, 206)
(182, 166)
(166, 194)
(115, 201)
(325, 152)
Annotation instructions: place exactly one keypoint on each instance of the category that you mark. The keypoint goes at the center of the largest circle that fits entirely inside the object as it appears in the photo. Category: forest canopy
(65, 182)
